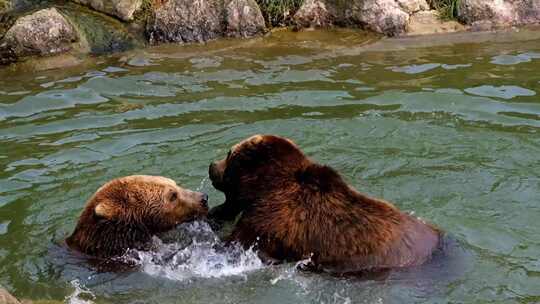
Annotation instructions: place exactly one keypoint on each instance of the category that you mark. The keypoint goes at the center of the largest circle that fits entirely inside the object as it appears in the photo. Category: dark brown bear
(293, 208)
(126, 212)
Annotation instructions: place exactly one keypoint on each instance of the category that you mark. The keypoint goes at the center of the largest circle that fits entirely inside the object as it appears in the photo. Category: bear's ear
(319, 177)
(105, 210)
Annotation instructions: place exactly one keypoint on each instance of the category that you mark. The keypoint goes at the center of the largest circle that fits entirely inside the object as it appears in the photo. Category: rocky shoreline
(41, 28)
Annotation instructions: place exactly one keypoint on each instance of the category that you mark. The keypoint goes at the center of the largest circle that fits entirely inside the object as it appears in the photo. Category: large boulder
(186, 21)
(45, 32)
(202, 20)
(123, 9)
(382, 16)
(500, 12)
(389, 17)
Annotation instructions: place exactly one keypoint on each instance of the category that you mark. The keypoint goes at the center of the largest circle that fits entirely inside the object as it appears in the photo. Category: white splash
(81, 295)
(291, 273)
(339, 299)
(203, 255)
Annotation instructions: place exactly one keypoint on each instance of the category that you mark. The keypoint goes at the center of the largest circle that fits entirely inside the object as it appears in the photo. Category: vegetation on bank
(6, 21)
(448, 9)
(278, 12)
(145, 12)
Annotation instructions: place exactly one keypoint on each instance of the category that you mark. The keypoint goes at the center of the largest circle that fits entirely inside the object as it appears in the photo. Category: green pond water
(449, 132)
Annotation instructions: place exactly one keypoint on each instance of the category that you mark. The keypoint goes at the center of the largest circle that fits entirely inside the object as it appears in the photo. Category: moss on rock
(103, 34)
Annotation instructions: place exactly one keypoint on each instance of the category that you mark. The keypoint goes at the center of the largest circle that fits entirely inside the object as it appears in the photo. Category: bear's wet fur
(293, 209)
(126, 212)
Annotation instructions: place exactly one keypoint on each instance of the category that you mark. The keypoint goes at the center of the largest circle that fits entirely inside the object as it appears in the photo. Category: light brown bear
(293, 209)
(126, 212)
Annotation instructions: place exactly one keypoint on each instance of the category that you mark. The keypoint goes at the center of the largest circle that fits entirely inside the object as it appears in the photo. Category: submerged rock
(203, 20)
(43, 33)
(101, 33)
(389, 17)
(500, 12)
(123, 9)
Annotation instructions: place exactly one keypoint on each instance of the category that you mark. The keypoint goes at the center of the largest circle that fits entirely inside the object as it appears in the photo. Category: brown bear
(293, 209)
(126, 212)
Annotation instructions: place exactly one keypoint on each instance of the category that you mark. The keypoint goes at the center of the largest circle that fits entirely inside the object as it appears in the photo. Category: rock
(429, 22)
(389, 17)
(497, 11)
(186, 21)
(45, 32)
(7, 298)
(203, 20)
(100, 33)
(123, 9)
(315, 13)
(382, 16)
(413, 6)
(243, 18)
(500, 12)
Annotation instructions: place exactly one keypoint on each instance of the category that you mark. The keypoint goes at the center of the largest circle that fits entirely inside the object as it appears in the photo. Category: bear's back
(341, 234)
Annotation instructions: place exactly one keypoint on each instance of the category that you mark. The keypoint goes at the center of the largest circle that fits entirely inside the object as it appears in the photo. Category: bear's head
(264, 164)
(126, 212)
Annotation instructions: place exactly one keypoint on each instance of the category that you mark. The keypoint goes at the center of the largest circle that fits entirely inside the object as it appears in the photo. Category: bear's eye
(173, 196)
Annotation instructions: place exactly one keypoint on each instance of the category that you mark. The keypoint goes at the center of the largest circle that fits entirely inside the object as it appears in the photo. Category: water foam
(80, 295)
(194, 251)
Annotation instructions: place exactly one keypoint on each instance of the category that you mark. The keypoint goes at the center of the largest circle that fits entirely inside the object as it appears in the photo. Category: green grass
(448, 9)
(278, 12)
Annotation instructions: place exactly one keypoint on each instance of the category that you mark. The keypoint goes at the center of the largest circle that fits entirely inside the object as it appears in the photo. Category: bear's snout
(216, 175)
(212, 171)
(197, 198)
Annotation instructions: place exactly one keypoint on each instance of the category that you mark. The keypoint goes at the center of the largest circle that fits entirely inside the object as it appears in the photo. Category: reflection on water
(506, 92)
(515, 59)
(449, 132)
